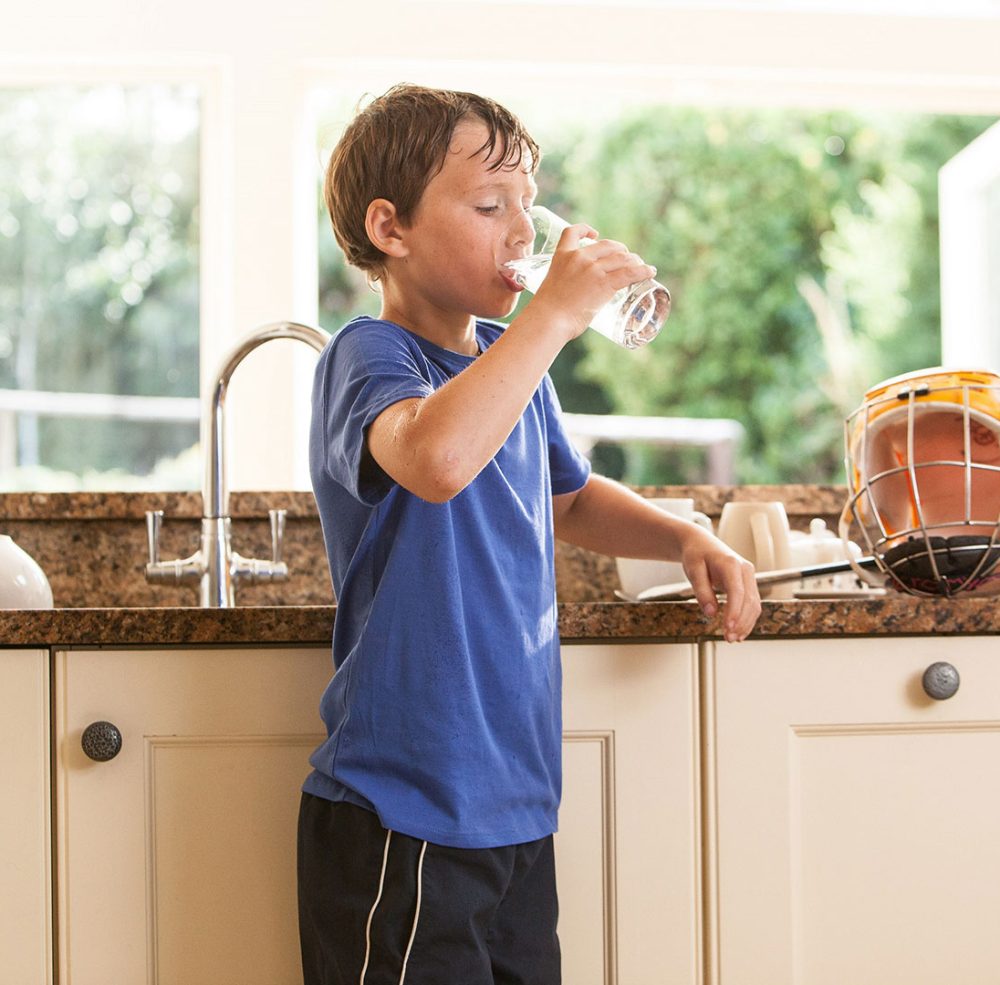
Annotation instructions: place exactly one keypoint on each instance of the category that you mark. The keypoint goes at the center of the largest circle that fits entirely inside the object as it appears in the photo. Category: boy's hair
(396, 145)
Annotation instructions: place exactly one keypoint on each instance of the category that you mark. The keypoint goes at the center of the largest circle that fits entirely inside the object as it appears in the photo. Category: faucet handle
(154, 519)
(277, 518)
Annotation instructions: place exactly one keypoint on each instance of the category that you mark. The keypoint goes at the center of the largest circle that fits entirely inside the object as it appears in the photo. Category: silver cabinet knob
(101, 741)
(941, 681)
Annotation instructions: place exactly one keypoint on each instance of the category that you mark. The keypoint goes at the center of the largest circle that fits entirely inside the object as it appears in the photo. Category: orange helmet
(923, 476)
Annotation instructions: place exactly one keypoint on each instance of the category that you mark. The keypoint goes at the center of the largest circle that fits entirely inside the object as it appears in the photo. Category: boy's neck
(449, 330)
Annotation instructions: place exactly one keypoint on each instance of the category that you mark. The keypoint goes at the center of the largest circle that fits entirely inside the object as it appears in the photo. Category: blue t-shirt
(444, 714)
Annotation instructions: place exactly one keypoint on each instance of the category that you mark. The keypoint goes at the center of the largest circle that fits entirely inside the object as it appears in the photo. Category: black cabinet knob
(101, 741)
(941, 680)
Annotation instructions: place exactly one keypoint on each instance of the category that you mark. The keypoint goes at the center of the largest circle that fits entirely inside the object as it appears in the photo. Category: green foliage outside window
(802, 254)
(98, 275)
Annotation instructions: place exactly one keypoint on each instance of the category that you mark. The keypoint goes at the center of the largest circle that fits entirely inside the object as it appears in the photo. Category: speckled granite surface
(578, 621)
(93, 549)
(92, 546)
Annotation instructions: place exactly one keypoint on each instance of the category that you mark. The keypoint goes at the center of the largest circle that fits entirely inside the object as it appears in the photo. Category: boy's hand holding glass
(633, 316)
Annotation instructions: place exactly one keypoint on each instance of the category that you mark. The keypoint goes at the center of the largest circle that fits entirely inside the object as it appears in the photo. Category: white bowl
(635, 575)
(23, 584)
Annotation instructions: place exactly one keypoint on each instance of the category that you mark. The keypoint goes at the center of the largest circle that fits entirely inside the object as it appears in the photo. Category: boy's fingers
(735, 577)
(733, 609)
(743, 605)
(703, 591)
(615, 258)
(571, 236)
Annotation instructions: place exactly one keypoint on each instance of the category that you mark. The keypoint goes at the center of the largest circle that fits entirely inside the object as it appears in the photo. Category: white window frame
(970, 254)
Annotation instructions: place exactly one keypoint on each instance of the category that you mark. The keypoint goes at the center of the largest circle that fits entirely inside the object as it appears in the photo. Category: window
(801, 247)
(251, 81)
(99, 287)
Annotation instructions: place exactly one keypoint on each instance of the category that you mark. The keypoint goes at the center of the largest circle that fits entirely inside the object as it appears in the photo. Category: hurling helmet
(923, 477)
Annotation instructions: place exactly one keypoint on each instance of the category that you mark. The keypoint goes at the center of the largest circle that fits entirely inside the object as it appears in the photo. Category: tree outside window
(801, 249)
(99, 287)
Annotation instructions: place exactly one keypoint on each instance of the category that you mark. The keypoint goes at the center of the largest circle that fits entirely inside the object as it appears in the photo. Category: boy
(441, 472)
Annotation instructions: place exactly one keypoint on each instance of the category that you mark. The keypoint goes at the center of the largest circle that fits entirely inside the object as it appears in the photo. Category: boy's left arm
(606, 517)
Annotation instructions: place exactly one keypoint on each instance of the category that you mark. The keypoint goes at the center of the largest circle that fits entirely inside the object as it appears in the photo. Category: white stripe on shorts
(416, 912)
(371, 913)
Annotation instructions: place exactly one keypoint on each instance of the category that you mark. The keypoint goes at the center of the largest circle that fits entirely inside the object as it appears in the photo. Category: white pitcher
(23, 584)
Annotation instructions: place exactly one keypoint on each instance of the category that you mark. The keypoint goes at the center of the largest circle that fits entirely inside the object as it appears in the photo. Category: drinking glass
(633, 317)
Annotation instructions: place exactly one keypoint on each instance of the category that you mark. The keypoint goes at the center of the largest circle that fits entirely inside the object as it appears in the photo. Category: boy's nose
(521, 231)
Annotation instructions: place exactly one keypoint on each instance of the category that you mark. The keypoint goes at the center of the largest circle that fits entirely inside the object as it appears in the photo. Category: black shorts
(380, 908)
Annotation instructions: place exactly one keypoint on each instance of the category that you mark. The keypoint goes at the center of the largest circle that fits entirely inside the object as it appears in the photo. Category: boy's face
(469, 222)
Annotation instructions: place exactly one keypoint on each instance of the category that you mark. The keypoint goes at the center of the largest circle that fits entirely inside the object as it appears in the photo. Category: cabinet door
(855, 835)
(25, 898)
(627, 851)
(177, 856)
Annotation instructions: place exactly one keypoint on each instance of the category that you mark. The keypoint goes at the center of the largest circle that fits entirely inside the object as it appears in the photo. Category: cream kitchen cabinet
(176, 856)
(628, 848)
(25, 898)
(852, 820)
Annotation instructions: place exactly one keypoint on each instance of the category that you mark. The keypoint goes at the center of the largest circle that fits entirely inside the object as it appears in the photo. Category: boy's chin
(499, 310)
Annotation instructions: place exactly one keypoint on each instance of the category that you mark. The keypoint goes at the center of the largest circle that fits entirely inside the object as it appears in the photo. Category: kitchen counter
(92, 546)
(311, 625)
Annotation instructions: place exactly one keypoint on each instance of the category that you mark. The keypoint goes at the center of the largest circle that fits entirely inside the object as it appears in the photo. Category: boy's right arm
(435, 446)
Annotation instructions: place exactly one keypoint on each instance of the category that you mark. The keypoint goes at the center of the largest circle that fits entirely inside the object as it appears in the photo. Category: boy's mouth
(510, 279)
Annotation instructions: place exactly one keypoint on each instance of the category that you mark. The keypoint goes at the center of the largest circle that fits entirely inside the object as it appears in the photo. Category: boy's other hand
(712, 566)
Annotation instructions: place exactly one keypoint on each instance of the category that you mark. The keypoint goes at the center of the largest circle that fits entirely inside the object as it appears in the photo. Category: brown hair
(396, 145)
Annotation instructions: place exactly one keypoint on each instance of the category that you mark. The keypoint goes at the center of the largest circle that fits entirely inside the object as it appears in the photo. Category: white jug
(23, 584)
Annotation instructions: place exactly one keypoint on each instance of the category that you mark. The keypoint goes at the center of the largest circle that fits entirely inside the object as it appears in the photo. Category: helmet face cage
(923, 475)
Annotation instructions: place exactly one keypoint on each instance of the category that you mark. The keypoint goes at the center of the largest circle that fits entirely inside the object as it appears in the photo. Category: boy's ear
(384, 229)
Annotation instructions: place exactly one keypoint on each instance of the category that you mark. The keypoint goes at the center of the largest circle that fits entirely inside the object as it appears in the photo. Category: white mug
(760, 533)
(635, 575)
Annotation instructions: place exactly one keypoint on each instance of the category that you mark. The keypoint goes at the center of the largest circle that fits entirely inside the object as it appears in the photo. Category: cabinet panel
(855, 837)
(26, 898)
(235, 875)
(628, 846)
(585, 858)
(177, 857)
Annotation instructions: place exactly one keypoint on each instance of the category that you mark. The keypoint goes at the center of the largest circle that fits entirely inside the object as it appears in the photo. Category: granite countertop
(92, 547)
(311, 625)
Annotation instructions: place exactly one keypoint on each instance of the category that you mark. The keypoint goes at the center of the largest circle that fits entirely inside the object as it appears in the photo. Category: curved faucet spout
(215, 490)
(215, 567)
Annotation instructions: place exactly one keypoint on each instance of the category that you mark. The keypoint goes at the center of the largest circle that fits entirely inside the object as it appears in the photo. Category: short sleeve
(568, 466)
(369, 366)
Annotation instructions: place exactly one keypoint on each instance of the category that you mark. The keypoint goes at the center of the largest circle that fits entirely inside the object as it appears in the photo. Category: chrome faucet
(215, 566)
